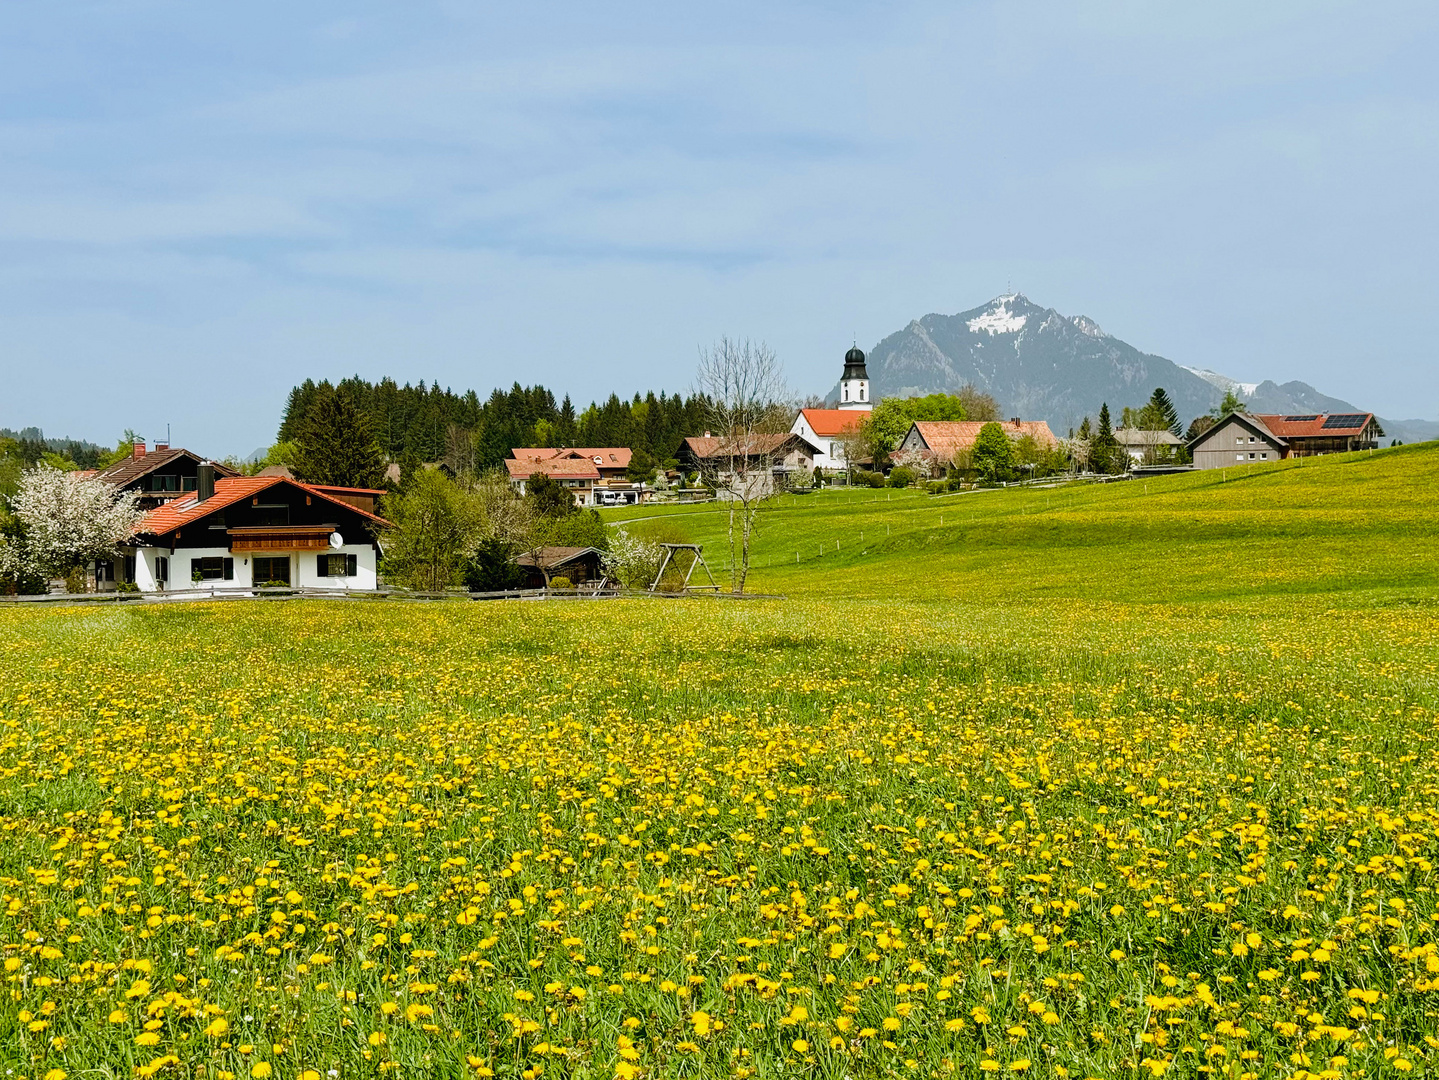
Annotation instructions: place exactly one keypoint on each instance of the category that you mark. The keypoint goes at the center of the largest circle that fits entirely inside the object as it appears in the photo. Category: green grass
(1342, 525)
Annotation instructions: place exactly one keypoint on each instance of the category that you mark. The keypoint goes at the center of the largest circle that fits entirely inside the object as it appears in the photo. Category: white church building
(828, 428)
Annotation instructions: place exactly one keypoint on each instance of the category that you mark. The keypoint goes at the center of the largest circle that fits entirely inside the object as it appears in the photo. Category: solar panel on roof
(1345, 420)
(1300, 419)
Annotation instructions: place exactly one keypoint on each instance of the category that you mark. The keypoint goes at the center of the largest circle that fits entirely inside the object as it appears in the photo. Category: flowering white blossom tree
(65, 522)
(633, 561)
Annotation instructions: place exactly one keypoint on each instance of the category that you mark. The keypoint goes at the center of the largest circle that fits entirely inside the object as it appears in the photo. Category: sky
(203, 204)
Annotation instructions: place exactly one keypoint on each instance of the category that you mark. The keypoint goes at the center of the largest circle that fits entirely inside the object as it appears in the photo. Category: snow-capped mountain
(1041, 365)
(1224, 382)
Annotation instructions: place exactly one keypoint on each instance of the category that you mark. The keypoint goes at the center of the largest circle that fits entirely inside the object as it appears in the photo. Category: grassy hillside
(1361, 523)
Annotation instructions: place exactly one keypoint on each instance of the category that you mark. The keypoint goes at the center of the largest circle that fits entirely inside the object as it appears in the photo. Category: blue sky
(202, 204)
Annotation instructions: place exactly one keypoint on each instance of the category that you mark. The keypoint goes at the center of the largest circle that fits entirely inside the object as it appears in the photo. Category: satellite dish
(599, 460)
(336, 541)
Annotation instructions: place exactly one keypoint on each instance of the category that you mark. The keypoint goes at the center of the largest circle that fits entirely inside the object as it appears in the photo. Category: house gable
(258, 513)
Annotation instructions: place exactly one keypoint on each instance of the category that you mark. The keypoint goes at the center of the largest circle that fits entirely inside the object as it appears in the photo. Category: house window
(1238, 457)
(341, 565)
(130, 569)
(1251, 438)
(1239, 441)
(271, 514)
(213, 569)
(1251, 455)
(862, 391)
(164, 482)
(104, 572)
(271, 568)
(162, 569)
(1264, 456)
(846, 393)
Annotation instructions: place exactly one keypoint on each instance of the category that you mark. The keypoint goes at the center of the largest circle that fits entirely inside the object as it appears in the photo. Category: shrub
(561, 582)
(873, 479)
(900, 477)
(491, 567)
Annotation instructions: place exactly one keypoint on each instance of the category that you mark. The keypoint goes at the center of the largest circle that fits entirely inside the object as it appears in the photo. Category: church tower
(854, 384)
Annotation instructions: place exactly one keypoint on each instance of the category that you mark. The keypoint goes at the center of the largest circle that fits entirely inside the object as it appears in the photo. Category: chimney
(204, 481)
(161, 446)
(707, 435)
(1014, 420)
(139, 449)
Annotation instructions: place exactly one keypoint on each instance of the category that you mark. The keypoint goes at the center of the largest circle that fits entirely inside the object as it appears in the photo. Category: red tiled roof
(831, 422)
(611, 457)
(1314, 425)
(346, 490)
(712, 446)
(573, 468)
(176, 513)
(948, 437)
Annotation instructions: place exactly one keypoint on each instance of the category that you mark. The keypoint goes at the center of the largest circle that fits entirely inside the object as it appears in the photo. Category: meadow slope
(1343, 524)
(1084, 782)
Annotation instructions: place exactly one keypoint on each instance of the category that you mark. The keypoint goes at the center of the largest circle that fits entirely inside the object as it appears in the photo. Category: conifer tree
(336, 444)
(1106, 446)
(1162, 413)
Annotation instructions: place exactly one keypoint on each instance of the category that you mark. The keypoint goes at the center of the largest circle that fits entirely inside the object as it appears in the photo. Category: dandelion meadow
(819, 836)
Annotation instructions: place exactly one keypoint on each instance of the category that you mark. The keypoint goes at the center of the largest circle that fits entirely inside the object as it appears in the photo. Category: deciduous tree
(742, 384)
(993, 456)
(64, 522)
(436, 525)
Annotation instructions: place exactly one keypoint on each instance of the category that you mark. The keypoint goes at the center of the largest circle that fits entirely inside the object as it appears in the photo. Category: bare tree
(977, 404)
(459, 449)
(743, 385)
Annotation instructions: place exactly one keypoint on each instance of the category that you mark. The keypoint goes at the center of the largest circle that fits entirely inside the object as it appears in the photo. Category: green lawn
(1356, 524)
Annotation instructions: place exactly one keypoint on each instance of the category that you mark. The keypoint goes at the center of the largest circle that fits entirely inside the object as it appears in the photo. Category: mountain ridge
(1042, 365)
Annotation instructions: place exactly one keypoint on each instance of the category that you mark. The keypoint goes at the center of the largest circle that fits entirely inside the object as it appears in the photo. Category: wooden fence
(373, 595)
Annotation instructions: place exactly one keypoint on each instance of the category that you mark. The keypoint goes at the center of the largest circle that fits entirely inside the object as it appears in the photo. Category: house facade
(241, 532)
(751, 466)
(1244, 438)
(941, 444)
(827, 430)
(595, 475)
(1148, 447)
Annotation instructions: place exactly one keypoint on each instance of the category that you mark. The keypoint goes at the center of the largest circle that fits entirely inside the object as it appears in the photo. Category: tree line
(415, 424)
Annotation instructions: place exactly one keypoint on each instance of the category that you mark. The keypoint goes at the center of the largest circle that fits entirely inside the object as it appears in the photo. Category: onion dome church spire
(854, 384)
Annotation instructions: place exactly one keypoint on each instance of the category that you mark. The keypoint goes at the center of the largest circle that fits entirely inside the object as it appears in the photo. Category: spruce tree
(1164, 411)
(1105, 451)
(336, 445)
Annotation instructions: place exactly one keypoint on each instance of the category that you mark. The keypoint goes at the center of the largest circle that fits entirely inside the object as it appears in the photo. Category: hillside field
(1347, 524)
(1077, 782)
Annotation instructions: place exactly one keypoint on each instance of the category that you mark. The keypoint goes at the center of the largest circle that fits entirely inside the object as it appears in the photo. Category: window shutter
(352, 565)
(229, 570)
(322, 565)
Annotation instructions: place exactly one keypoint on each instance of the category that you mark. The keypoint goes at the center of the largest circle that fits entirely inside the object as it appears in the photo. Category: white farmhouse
(243, 531)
